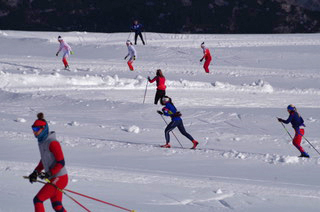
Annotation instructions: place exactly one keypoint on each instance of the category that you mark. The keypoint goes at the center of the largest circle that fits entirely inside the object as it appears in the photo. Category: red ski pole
(62, 191)
(98, 200)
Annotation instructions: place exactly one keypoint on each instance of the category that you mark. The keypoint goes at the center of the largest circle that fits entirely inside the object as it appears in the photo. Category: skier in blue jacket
(176, 121)
(137, 29)
(298, 125)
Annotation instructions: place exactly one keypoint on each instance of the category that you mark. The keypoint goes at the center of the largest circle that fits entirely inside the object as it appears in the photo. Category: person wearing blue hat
(297, 123)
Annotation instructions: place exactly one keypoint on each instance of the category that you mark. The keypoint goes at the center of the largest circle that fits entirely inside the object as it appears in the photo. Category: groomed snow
(245, 161)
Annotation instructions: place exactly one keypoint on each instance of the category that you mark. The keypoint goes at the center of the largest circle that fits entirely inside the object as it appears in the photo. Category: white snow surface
(245, 161)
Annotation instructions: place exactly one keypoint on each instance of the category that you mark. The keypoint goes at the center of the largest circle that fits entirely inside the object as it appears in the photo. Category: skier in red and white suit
(52, 161)
(132, 53)
(66, 49)
(206, 56)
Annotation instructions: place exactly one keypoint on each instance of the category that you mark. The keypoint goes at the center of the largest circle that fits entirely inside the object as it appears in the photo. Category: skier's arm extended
(288, 120)
(152, 80)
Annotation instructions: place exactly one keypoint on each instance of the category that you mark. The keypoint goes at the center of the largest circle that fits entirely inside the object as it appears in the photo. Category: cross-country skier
(52, 161)
(297, 124)
(132, 53)
(66, 49)
(176, 121)
(137, 28)
(206, 56)
(161, 87)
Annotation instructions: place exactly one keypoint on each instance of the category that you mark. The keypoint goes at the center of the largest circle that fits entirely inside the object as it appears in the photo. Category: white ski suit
(131, 52)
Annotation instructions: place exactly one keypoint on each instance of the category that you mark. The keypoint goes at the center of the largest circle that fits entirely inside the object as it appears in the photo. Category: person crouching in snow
(52, 161)
(297, 124)
(176, 121)
(132, 53)
(161, 87)
(206, 56)
(66, 49)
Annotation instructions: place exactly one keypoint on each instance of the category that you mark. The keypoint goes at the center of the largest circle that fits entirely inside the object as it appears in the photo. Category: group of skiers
(137, 28)
(52, 158)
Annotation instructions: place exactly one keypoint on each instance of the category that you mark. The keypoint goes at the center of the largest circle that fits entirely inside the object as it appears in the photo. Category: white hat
(202, 45)
(59, 38)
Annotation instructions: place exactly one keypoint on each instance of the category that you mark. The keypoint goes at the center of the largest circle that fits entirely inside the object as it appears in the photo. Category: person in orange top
(161, 87)
(206, 56)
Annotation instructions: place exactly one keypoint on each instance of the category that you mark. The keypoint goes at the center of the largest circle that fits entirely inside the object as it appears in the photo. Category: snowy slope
(245, 160)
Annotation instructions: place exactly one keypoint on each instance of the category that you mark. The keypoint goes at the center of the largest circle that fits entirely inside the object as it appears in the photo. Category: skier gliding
(52, 161)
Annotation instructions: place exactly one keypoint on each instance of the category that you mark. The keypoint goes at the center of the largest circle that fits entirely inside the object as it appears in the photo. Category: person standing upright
(137, 28)
(206, 56)
(297, 123)
(66, 49)
(161, 87)
(52, 162)
(132, 53)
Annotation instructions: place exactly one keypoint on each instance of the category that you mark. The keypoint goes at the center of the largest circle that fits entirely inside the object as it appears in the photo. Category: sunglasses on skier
(36, 129)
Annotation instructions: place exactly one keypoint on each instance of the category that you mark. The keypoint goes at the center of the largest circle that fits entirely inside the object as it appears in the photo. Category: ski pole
(92, 198)
(303, 137)
(129, 36)
(145, 92)
(311, 145)
(64, 192)
(61, 190)
(171, 131)
(145, 36)
(286, 130)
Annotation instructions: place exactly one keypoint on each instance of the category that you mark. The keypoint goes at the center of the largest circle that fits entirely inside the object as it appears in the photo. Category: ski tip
(133, 211)
(25, 177)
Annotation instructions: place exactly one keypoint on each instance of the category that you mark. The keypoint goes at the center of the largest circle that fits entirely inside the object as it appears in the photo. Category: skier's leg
(64, 59)
(168, 129)
(159, 95)
(184, 132)
(135, 38)
(297, 140)
(206, 65)
(130, 64)
(140, 35)
(56, 200)
(46, 192)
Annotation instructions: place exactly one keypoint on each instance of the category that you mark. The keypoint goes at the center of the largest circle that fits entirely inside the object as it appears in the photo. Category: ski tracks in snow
(202, 192)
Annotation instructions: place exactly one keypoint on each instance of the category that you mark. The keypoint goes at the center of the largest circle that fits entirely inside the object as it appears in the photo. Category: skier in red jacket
(206, 56)
(161, 87)
(52, 161)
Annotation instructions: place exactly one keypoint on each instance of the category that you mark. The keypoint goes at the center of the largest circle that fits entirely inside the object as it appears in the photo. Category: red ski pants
(130, 65)
(206, 65)
(297, 140)
(49, 191)
(65, 62)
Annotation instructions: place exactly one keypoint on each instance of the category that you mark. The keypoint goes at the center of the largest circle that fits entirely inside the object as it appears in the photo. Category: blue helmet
(291, 107)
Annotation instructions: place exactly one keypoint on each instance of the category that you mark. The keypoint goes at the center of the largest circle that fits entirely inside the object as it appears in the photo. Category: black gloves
(45, 175)
(280, 119)
(57, 54)
(160, 112)
(33, 176)
(201, 59)
(149, 78)
(125, 57)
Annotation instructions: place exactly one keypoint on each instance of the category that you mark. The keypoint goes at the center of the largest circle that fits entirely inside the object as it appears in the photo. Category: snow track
(245, 161)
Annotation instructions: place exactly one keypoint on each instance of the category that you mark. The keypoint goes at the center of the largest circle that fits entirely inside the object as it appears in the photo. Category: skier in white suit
(132, 53)
(66, 49)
